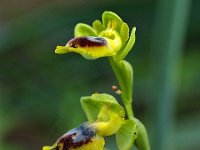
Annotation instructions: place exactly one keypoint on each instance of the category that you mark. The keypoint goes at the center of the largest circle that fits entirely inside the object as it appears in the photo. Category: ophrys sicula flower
(106, 121)
(107, 38)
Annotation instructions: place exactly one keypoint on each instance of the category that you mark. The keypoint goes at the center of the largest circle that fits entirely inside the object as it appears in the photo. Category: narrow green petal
(82, 29)
(98, 26)
(126, 49)
(124, 33)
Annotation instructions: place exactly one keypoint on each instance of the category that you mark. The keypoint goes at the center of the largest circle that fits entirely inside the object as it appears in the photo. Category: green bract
(112, 29)
(126, 135)
(124, 74)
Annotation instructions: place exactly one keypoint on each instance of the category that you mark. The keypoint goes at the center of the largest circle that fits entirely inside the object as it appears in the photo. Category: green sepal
(124, 73)
(124, 33)
(126, 135)
(110, 17)
(82, 29)
(127, 47)
(142, 141)
(98, 26)
(93, 104)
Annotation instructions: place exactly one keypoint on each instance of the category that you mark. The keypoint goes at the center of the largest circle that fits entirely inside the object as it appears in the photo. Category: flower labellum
(88, 47)
(83, 137)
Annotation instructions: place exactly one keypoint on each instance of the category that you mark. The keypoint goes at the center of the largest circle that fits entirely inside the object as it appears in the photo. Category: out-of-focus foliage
(40, 91)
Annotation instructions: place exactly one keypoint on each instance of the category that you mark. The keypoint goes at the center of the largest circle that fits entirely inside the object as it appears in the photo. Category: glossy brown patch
(76, 137)
(87, 42)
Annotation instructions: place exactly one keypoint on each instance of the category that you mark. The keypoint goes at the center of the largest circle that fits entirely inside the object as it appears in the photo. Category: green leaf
(98, 26)
(124, 33)
(126, 135)
(142, 141)
(93, 104)
(82, 29)
(110, 17)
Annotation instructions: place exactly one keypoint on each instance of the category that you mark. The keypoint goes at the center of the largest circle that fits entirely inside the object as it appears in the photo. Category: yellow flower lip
(82, 137)
(88, 46)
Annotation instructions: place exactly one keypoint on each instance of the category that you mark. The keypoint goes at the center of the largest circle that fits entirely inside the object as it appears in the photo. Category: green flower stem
(124, 74)
(129, 110)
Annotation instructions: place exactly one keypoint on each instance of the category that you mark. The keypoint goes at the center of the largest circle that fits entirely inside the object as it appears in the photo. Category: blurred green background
(40, 91)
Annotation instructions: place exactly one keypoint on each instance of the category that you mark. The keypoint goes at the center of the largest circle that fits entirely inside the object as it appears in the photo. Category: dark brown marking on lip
(87, 42)
(76, 138)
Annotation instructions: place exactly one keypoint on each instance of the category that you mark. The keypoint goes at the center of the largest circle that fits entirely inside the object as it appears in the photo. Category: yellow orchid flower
(107, 38)
(90, 135)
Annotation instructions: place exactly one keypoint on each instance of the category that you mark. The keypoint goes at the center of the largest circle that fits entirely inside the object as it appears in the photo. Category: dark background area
(40, 91)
